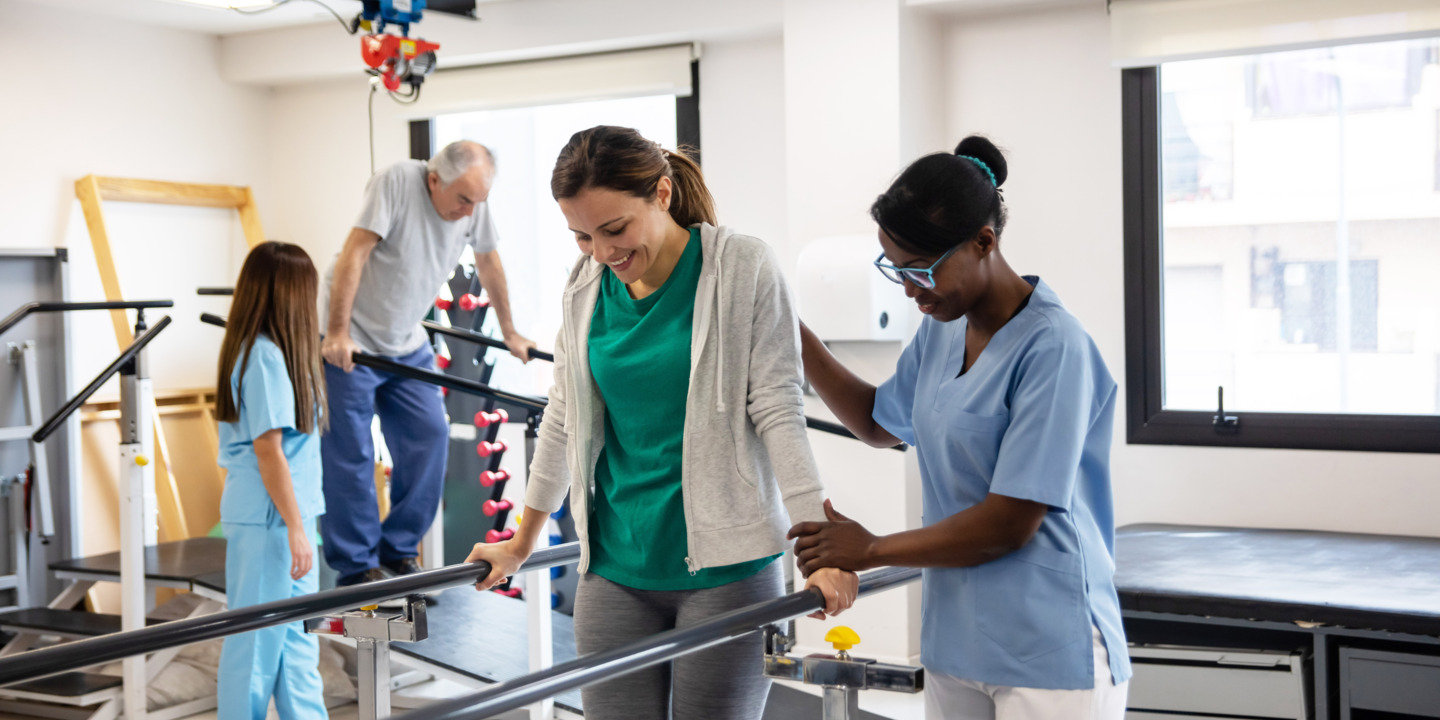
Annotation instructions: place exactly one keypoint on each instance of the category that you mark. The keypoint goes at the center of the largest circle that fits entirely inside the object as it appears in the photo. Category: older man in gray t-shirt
(416, 219)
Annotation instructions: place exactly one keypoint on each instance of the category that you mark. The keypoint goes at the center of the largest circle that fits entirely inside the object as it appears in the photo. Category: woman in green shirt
(676, 424)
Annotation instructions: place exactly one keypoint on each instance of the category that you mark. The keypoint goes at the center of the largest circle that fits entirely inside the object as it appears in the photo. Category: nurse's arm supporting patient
(992, 529)
(849, 397)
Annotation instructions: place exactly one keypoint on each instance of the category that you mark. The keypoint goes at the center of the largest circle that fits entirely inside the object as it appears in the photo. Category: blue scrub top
(267, 401)
(1031, 419)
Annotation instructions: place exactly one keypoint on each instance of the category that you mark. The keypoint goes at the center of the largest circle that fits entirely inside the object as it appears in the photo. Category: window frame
(1147, 423)
(687, 123)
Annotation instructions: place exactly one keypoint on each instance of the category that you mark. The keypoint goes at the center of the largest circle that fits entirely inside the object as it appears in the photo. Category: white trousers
(950, 698)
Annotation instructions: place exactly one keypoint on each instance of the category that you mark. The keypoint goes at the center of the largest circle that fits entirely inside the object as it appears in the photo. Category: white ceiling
(212, 20)
(222, 21)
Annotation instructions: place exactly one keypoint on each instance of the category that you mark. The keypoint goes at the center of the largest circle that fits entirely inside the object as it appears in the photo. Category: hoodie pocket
(720, 491)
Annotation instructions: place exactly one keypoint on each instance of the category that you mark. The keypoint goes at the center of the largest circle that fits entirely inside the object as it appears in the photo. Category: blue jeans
(412, 420)
(282, 661)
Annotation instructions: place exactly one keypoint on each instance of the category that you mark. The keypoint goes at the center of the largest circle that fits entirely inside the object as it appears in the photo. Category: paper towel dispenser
(842, 296)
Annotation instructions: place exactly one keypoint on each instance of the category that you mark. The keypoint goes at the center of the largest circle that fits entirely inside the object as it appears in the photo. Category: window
(536, 245)
(1282, 225)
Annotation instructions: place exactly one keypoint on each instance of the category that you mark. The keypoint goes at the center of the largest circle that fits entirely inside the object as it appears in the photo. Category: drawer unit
(1190, 682)
(1389, 682)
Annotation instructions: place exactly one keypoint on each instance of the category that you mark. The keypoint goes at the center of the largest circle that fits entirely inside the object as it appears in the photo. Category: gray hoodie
(748, 473)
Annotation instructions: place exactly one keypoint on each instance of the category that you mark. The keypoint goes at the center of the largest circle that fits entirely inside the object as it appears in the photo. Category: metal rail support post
(842, 676)
(538, 614)
(373, 632)
(138, 514)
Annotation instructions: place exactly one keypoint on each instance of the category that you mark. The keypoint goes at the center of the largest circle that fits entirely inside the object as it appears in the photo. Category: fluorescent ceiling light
(228, 3)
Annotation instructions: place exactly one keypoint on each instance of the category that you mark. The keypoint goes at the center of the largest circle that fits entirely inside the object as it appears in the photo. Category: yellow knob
(519, 519)
(842, 638)
(370, 608)
(141, 460)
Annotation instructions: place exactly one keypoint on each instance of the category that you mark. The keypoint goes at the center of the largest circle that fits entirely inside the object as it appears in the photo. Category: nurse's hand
(302, 555)
(841, 543)
(839, 588)
(504, 557)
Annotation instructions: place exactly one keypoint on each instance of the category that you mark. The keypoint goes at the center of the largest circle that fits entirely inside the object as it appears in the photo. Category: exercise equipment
(841, 676)
(138, 529)
(486, 419)
(491, 477)
(36, 480)
(1335, 600)
(485, 449)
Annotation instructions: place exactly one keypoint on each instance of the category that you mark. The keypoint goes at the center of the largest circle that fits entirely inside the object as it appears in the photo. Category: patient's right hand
(505, 559)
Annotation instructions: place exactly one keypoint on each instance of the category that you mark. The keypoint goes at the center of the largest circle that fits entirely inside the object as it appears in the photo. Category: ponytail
(691, 202)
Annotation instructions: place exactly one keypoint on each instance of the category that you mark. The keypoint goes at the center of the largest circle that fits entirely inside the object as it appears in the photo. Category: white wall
(122, 99)
(1041, 85)
(742, 116)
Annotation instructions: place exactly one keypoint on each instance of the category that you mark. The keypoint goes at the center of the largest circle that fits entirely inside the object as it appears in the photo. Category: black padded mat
(179, 561)
(1373, 582)
(213, 581)
(69, 622)
(70, 685)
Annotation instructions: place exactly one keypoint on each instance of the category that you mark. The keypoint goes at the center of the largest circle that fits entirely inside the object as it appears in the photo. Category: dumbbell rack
(467, 310)
(475, 482)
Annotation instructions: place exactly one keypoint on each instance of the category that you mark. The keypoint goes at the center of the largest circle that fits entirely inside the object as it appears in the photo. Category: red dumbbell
(486, 419)
(442, 362)
(442, 303)
(512, 592)
(491, 507)
(444, 391)
(388, 470)
(494, 536)
(486, 449)
(490, 477)
(469, 302)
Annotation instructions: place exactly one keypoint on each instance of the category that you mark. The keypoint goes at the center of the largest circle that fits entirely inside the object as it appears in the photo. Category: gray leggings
(721, 683)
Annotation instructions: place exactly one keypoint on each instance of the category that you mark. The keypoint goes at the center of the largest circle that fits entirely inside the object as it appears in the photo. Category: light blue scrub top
(267, 401)
(1031, 419)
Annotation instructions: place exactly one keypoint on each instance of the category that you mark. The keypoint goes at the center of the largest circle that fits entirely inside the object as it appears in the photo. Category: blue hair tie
(981, 164)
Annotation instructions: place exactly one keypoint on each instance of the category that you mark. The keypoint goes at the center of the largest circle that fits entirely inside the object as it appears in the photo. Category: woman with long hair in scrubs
(1009, 406)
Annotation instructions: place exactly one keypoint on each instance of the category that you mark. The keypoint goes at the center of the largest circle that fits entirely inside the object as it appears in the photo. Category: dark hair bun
(979, 146)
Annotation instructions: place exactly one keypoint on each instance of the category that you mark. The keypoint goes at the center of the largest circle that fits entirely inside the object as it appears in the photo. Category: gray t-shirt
(416, 252)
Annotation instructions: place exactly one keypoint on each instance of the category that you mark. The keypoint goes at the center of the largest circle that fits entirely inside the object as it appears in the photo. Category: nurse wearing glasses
(1009, 406)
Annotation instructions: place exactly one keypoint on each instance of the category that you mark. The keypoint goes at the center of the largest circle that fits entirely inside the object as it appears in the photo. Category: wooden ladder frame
(92, 191)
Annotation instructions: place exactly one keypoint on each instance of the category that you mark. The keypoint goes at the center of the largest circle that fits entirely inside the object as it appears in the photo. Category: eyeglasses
(920, 278)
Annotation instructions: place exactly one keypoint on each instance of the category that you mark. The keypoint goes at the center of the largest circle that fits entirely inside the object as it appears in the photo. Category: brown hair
(275, 295)
(621, 159)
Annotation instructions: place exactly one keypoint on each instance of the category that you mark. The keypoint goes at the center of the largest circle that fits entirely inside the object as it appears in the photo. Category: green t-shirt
(640, 357)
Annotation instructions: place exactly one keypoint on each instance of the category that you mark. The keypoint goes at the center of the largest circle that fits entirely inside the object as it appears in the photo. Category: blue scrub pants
(412, 420)
(281, 661)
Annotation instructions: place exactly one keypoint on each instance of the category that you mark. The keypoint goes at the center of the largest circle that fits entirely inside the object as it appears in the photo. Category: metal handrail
(530, 402)
(481, 339)
(38, 307)
(107, 648)
(472, 336)
(74, 403)
(520, 692)
(841, 430)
